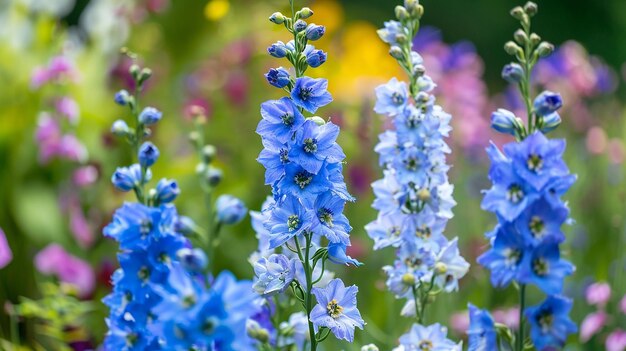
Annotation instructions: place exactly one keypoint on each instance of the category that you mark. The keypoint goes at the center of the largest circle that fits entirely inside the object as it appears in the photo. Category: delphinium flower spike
(529, 177)
(163, 296)
(414, 198)
(302, 225)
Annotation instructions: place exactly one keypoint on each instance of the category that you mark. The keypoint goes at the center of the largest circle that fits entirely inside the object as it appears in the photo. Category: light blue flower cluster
(529, 177)
(302, 225)
(414, 198)
(162, 298)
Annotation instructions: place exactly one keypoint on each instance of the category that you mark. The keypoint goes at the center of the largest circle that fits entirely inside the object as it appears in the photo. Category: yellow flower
(215, 10)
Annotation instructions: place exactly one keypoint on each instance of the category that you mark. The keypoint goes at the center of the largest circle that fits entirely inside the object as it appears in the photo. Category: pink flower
(5, 250)
(591, 325)
(85, 176)
(68, 108)
(459, 322)
(616, 341)
(622, 304)
(72, 149)
(80, 227)
(598, 294)
(508, 317)
(616, 151)
(596, 140)
(69, 269)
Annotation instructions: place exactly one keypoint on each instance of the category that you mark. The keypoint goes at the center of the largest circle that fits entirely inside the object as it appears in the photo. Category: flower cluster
(604, 318)
(304, 167)
(414, 198)
(529, 177)
(163, 298)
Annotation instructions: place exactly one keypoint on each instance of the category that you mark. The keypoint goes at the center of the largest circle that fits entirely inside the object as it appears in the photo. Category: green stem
(520, 332)
(309, 286)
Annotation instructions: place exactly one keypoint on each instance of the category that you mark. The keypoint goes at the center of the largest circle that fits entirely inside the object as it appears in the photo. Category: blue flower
(299, 182)
(310, 93)
(386, 230)
(120, 128)
(229, 209)
(412, 264)
(299, 26)
(541, 221)
(391, 98)
(433, 338)
(513, 73)
(504, 121)
(315, 145)
(274, 157)
(337, 255)
(537, 160)
(288, 220)
(274, 274)
(314, 32)
(127, 178)
(167, 190)
(148, 154)
(278, 77)
(481, 332)
(122, 97)
(278, 49)
(193, 260)
(505, 257)
(550, 323)
(281, 119)
(450, 267)
(547, 102)
(331, 222)
(316, 58)
(544, 267)
(549, 122)
(135, 225)
(336, 309)
(149, 116)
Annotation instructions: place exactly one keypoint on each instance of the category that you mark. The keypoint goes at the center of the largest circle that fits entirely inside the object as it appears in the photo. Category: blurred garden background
(55, 170)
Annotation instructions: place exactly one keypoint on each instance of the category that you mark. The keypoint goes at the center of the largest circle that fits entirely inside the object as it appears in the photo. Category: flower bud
(144, 75)
(255, 331)
(401, 13)
(412, 6)
(120, 128)
(518, 13)
(544, 49)
(194, 260)
(230, 210)
(149, 116)
(513, 73)
(304, 13)
(278, 77)
(299, 26)
(531, 8)
(278, 49)
(511, 48)
(277, 18)
(419, 70)
(318, 120)
(505, 121)
(314, 31)
(134, 71)
(127, 178)
(337, 255)
(396, 52)
(167, 190)
(408, 279)
(441, 268)
(550, 122)
(208, 153)
(121, 97)
(520, 37)
(534, 38)
(185, 226)
(547, 102)
(423, 194)
(194, 137)
(316, 58)
(213, 176)
(401, 38)
(148, 154)
(369, 347)
(422, 97)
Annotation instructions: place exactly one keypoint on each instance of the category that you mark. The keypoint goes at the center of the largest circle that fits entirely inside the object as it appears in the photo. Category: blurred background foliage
(213, 54)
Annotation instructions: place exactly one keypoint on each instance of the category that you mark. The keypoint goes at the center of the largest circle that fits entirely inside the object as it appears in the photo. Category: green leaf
(38, 214)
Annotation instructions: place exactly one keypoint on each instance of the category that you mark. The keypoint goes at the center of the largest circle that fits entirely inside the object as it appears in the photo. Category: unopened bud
(134, 71)
(518, 13)
(318, 120)
(531, 8)
(441, 268)
(194, 137)
(423, 194)
(208, 153)
(408, 279)
(520, 37)
(299, 26)
(419, 70)
(544, 49)
(304, 13)
(144, 75)
(401, 13)
(401, 38)
(534, 38)
(213, 176)
(511, 48)
(396, 52)
(277, 18)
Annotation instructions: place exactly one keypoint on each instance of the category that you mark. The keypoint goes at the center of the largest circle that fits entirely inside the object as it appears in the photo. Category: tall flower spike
(302, 225)
(414, 198)
(162, 297)
(529, 177)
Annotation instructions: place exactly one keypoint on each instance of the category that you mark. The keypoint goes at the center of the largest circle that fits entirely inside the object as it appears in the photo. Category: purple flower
(598, 294)
(336, 309)
(69, 269)
(616, 341)
(6, 255)
(592, 324)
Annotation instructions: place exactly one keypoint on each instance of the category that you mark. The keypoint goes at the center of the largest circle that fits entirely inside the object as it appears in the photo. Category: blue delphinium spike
(414, 198)
(302, 226)
(529, 177)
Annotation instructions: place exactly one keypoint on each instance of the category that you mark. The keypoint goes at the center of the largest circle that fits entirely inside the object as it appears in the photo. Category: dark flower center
(397, 98)
(284, 156)
(334, 310)
(143, 273)
(534, 163)
(515, 193)
(287, 119)
(145, 227)
(326, 216)
(513, 257)
(423, 233)
(540, 266)
(536, 226)
(425, 345)
(412, 164)
(305, 93)
(545, 319)
(310, 145)
(303, 179)
(394, 231)
(293, 222)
